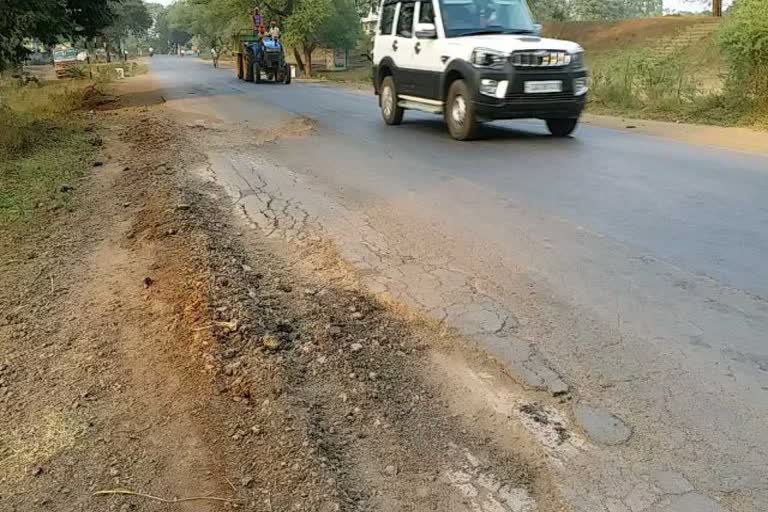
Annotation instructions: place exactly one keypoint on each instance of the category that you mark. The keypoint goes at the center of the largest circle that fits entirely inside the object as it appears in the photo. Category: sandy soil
(738, 139)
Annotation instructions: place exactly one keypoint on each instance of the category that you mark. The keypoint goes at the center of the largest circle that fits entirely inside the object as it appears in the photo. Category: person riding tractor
(260, 50)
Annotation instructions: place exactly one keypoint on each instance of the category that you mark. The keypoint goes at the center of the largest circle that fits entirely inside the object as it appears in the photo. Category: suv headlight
(486, 58)
(577, 59)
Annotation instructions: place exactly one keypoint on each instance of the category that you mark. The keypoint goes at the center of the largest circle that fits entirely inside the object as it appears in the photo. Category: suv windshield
(472, 17)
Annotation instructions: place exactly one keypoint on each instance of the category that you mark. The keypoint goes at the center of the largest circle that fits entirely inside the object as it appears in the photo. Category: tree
(342, 29)
(317, 23)
(306, 24)
(130, 17)
(551, 10)
(303, 26)
(167, 33)
(744, 39)
(47, 21)
(614, 9)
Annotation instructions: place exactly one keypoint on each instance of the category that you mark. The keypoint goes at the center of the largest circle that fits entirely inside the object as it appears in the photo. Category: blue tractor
(269, 58)
(260, 57)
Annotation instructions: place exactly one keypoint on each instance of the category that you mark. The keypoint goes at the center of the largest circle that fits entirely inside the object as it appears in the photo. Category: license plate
(543, 87)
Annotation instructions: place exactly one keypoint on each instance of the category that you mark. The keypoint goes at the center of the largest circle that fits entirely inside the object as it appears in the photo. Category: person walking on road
(215, 57)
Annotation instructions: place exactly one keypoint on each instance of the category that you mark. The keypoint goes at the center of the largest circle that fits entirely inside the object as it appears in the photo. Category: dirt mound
(94, 98)
(597, 36)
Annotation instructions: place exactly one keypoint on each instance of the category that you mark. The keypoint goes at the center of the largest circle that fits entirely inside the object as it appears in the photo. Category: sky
(682, 5)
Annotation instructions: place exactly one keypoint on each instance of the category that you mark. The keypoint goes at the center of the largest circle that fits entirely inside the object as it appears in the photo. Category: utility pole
(717, 8)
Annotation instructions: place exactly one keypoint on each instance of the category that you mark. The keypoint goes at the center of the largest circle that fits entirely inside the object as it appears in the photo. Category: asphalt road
(632, 270)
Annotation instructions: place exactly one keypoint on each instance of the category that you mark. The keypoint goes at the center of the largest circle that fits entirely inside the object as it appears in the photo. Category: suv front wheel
(391, 113)
(561, 127)
(460, 112)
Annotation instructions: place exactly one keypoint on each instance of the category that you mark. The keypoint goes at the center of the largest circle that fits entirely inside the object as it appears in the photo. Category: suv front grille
(547, 97)
(540, 59)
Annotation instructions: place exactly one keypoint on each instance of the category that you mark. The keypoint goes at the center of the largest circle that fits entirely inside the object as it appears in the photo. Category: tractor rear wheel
(248, 64)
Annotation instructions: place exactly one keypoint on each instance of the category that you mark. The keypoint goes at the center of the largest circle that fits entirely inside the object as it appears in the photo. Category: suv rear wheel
(391, 113)
(460, 112)
(561, 127)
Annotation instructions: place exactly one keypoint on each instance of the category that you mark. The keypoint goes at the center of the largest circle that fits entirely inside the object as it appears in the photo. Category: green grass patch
(685, 87)
(44, 147)
(692, 84)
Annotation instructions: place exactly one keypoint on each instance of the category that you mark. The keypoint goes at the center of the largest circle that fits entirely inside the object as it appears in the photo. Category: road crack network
(275, 199)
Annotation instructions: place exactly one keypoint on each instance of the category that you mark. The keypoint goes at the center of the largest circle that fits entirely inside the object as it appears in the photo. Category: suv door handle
(394, 45)
(417, 47)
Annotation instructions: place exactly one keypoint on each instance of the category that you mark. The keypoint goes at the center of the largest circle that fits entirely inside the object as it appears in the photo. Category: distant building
(369, 22)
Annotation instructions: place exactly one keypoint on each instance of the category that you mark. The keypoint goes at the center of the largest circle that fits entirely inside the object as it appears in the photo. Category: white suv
(475, 60)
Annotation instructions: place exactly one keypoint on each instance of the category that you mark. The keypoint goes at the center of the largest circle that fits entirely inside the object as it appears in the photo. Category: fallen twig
(232, 326)
(125, 492)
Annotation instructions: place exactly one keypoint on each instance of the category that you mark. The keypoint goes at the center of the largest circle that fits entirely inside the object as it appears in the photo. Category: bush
(744, 39)
(640, 80)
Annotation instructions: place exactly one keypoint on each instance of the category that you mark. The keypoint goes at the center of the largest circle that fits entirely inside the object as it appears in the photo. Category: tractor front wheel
(240, 66)
(287, 73)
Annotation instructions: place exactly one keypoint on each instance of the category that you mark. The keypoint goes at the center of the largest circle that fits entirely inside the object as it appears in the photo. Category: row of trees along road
(306, 24)
(309, 24)
(83, 22)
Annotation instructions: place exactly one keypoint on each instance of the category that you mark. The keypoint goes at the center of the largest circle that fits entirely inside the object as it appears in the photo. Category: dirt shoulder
(737, 139)
(155, 347)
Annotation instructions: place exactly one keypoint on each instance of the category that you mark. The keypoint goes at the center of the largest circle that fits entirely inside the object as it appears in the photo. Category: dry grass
(43, 145)
(23, 449)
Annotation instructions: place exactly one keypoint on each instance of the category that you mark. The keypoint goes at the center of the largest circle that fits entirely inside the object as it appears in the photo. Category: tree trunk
(308, 60)
(107, 49)
(717, 7)
(299, 62)
(88, 45)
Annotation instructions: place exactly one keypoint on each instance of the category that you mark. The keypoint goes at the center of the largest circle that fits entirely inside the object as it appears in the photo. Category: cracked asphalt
(626, 273)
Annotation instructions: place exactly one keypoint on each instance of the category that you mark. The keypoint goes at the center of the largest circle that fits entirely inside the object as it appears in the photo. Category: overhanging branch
(276, 11)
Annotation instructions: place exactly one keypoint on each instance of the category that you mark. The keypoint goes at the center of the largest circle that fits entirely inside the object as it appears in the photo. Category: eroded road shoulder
(156, 348)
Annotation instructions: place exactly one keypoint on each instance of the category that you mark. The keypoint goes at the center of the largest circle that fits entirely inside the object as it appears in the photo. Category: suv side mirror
(538, 28)
(426, 31)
